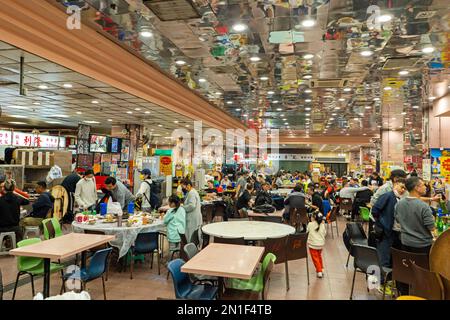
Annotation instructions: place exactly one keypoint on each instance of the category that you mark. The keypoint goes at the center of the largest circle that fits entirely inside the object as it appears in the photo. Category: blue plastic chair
(326, 207)
(145, 243)
(184, 289)
(98, 264)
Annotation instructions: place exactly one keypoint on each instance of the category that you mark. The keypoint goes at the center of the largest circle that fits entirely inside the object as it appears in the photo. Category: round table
(125, 236)
(250, 230)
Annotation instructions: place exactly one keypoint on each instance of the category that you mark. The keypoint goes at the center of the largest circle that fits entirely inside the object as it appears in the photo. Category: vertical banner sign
(445, 168)
(165, 165)
(426, 169)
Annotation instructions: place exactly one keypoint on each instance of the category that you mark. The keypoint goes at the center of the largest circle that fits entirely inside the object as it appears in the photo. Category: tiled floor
(147, 284)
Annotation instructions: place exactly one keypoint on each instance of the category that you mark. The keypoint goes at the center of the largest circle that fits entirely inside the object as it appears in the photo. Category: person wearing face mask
(387, 231)
(86, 191)
(192, 206)
(144, 190)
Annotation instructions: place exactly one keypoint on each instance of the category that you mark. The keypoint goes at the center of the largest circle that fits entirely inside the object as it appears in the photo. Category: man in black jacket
(69, 183)
(10, 210)
(41, 206)
(263, 196)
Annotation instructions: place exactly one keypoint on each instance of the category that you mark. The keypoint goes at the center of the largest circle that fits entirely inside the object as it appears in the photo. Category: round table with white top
(250, 230)
(125, 236)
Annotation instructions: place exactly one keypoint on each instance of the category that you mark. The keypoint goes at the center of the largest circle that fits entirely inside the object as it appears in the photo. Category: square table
(225, 261)
(60, 248)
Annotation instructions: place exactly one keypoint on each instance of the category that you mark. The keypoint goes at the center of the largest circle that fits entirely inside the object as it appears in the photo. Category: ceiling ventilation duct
(171, 10)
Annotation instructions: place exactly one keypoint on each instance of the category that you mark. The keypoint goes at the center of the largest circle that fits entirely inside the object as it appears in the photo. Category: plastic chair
(364, 213)
(346, 204)
(98, 264)
(332, 217)
(366, 261)
(278, 246)
(184, 289)
(255, 284)
(180, 250)
(195, 238)
(207, 213)
(402, 262)
(100, 247)
(297, 249)
(427, 284)
(52, 228)
(326, 207)
(191, 250)
(32, 266)
(12, 237)
(145, 243)
(354, 233)
(36, 231)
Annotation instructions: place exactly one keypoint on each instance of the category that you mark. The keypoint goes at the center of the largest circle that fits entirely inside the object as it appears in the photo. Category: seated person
(295, 199)
(316, 199)
(243, 202)
(175, 220)
(362, 198)
(226, 181)
(210, 190)
(263, 196)
(10, 210)
(41, 206)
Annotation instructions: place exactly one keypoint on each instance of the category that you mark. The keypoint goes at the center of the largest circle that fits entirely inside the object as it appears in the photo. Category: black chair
(278, 246)
(346, 205)
(332, 217)
(207, 213)
(354, 232)
(366, 261)
(219, 212)
(237, 241)
(195, 238)
(274, 219)
(146, 243)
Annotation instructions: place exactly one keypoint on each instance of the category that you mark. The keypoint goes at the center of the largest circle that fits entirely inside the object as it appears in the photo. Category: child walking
(316, 240)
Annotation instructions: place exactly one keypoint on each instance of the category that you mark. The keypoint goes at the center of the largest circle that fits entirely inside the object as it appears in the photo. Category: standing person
(119, 192)
(375, 180)
(10, 210)
(192, 206)
(86, 191)
(387, 233)
(389, 185)
(41, 206)
(144, 191)
(415, 218)
(241, 183)
(175, 220)
(316, 241)
(362, 198)
(70, 183)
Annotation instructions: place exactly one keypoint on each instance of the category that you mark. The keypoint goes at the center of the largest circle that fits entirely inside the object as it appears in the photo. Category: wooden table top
(62, 247)
(225, 260)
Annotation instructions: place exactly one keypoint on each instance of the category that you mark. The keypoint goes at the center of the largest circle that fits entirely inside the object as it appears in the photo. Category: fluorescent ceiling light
(264, 78)
(137, 109)
(308, 23)
(91, 121)
(94, 101)
(308, 100)
(237, 109)
(129, 112)
(67, 85)
(347, 89)
(180, 62)
(308, 91)
(270, 92)
(428, 49)
(255, 59)
(403, 72)
(308, 76)
(147, 112)
(18, 116)
(146, 34)
(366, 53)
(43, 87)
(18, 107)
(202, 80)
(79, 112)
(110, 120)
(16, 122)
(387, 88)
(308, 56)
(239, 27)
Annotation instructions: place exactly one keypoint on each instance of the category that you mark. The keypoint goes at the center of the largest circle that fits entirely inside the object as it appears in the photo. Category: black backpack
(264, 208)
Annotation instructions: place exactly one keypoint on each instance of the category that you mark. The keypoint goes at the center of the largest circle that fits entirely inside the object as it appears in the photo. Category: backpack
(264, 208)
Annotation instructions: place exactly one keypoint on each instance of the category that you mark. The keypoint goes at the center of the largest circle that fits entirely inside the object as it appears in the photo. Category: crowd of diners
(403, 207)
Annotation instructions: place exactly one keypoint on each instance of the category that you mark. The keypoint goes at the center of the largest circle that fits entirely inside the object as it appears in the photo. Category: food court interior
(206, 149)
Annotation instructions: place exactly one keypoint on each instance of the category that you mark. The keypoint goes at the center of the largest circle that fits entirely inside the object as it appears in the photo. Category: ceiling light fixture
(237, 109)
(147, 112)
(308, 100)
(347, 89)
(239, 27)
(202, 80)
(255, 59)
(307, 76)
(79, 112)
(94, 101)
(110, 120)
(180, 62)
(308, 23)
(270, 92)
(387, 88)
(366, 53)
(415, 107)
(428, 49)
(129, 112)
(229, 102)
(16, 122)
(67, 85)
(279, 109)
(403, 72)
(91, 121)
(43, 87)
(264, 78)
(308, 91)
(308, 56)
(341, 99)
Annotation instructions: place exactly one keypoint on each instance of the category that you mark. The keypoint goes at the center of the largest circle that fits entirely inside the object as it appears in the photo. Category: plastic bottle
(439, 222)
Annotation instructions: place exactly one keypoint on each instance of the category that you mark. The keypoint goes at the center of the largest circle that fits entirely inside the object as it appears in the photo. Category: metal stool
(32, 229)
(12, 236)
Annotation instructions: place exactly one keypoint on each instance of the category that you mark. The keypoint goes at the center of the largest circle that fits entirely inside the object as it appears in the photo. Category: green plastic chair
(364, 213)
(52, 228)
(256, 283)
(32, 266)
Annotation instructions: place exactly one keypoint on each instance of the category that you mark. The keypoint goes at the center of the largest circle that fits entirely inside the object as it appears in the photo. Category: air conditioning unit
(328, 83)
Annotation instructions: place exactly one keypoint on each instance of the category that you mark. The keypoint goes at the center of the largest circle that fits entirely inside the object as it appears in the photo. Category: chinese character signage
(22, 139)
(165, 165)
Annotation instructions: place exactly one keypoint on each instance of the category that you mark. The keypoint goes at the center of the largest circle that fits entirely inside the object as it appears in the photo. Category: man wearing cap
(144, 190)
